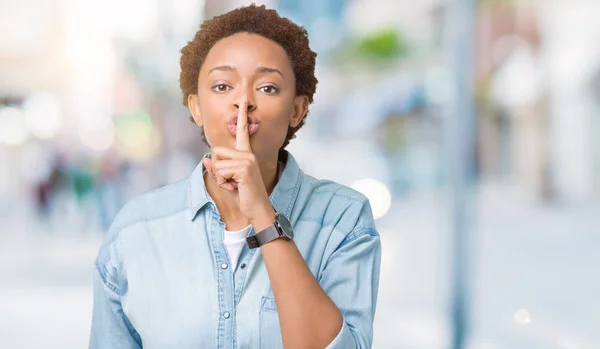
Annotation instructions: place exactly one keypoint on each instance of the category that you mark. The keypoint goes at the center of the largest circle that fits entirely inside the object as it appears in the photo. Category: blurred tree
(381, 47)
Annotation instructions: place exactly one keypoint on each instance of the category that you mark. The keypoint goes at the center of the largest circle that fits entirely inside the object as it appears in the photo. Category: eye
(220, 88)
(269, 89)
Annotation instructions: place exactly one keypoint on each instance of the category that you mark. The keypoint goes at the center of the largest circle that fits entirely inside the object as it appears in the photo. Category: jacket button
(226, 315)
(224, 266)
(243, 266)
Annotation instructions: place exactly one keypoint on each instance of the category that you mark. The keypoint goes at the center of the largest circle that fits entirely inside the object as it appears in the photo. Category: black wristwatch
(281, 229)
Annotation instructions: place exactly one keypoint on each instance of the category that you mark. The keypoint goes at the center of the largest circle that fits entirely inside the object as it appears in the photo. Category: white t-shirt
(234, 240)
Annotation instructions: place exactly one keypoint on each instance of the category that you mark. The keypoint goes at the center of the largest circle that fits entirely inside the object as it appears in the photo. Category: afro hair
(255, 20)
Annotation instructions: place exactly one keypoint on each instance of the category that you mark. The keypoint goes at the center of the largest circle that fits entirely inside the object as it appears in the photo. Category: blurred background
(91, 115)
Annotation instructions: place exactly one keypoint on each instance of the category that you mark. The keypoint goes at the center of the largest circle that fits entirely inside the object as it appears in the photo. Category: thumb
(207, 162)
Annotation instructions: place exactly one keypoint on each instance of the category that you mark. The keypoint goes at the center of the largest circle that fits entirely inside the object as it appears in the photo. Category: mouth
(252, 129)
(253, 125)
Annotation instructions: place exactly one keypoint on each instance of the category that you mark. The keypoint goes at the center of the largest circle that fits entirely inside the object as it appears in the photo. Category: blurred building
(91, 115)
(538, 116)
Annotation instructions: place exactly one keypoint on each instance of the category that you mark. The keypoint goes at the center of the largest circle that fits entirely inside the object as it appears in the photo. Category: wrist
(264, 219)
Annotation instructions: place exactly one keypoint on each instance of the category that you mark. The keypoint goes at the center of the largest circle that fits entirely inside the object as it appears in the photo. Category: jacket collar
(282, 198)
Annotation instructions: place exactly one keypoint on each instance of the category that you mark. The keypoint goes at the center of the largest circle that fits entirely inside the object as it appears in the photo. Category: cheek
(211, 133)
(280, 119)
(281, 109)
(213, 130)
(214, 126)
(277, 132)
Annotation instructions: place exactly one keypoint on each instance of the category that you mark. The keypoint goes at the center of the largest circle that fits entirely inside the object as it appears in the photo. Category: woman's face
(251, 66)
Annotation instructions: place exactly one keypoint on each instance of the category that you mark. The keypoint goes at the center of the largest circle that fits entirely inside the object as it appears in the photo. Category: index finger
(242, 137)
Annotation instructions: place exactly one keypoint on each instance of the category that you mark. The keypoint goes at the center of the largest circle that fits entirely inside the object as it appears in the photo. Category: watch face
(285, 225)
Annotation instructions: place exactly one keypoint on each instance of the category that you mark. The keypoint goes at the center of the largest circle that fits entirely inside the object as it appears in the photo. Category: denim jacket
(163, 278)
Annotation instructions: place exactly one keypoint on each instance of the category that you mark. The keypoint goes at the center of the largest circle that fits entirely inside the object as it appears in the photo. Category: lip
(252, 129)
(251, 120)
(253, 125)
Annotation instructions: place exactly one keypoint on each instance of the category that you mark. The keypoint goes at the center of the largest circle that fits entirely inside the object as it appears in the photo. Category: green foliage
(381, 47)
(386, 44)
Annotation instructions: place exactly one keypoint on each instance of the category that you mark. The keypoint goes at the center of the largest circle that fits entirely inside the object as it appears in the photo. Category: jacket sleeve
(110, 326)
(351, 279)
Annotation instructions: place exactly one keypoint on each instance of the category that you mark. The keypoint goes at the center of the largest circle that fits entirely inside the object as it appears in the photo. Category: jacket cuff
(344, 339)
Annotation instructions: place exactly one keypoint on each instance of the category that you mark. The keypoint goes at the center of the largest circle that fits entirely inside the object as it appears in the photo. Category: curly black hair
(256, 20)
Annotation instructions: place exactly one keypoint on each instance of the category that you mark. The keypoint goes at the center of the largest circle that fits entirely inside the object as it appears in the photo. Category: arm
(351, 278)
(308, 317)
(336, 312)
(110, 326)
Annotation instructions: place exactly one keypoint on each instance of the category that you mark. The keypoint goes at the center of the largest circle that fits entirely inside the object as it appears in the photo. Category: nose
(251, 104)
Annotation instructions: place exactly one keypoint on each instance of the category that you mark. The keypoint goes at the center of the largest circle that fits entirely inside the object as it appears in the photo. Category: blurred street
(416, 100)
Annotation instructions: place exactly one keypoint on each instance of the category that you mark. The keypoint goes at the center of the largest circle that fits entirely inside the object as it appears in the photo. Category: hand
(236, 171)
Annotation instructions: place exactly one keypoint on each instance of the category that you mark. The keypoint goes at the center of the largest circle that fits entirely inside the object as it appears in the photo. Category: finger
(233, 170)
(224, 182)
(223, 164)
(208, 165)
(226, 157)
(224, 153)
(226, 169)
(229, 186)
(212, 172)
(230, 174)
(242, 138)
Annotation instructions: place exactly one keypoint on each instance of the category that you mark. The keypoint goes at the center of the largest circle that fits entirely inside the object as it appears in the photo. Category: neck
(229, 211)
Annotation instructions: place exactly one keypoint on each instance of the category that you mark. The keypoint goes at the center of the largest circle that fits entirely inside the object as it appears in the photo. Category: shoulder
(153, 205)
(347, 207)
(339, 190)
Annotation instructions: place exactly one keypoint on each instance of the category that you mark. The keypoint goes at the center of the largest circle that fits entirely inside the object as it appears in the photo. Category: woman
(248, 252)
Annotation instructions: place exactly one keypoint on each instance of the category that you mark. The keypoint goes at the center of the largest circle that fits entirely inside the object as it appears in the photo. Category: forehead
(247, 50)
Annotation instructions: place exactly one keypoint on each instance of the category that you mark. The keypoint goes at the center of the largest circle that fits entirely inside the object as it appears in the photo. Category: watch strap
(268, 234)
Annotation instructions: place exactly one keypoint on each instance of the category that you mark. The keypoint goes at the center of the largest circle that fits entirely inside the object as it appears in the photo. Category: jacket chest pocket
(270, 331)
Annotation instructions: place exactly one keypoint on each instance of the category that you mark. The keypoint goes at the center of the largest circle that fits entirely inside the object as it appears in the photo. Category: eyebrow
(260, 70)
